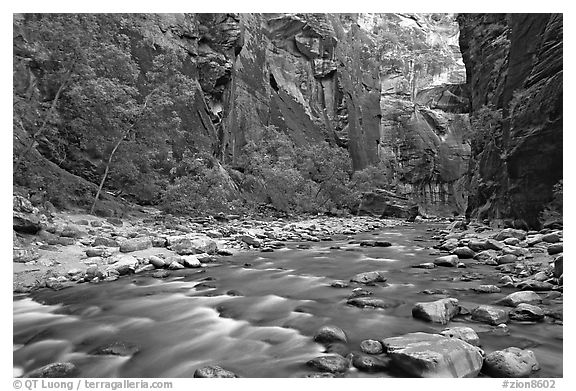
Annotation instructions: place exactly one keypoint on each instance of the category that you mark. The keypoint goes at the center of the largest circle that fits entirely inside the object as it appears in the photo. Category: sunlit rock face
(514, 63)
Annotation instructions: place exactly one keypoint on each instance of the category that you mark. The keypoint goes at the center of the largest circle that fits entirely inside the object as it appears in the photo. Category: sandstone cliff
(514, 64)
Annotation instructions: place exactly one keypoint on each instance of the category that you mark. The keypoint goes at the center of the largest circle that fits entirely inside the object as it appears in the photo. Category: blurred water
(188, 320)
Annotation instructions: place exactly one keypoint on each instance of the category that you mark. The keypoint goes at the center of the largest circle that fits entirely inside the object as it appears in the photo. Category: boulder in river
(58, 369)
(333, 363)
(510, 362)
(425, 265)
(213, 371)
(513, 299)
(490, 314)
(478, 245)
(534, 285)
(447, 260)
(433, 355)
(527, 312)
(439, 311)
(186, 245)
(510, 233)
(466, 334)
(486, 289)
(369, 277)
(329, 334)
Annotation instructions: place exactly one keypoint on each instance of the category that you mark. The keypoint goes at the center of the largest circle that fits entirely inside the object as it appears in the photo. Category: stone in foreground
(433, 355)
(439, 311)
(510, 362)
(59, 369)
(329, 334)
(213, 371)
(371, 346)
(466, 334)
(368, 363)
(333, 363)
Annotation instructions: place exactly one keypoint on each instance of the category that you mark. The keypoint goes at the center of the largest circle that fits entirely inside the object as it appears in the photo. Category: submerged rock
(117, 349)
(59, 369)
(433, 355)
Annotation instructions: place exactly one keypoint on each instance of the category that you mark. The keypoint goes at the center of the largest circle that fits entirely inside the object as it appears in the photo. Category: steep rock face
(514, 63)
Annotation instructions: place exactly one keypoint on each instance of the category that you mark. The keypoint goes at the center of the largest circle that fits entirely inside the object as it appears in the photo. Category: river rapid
(255, 313)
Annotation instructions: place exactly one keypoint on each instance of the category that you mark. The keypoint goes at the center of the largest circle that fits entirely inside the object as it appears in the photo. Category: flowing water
(256, 313)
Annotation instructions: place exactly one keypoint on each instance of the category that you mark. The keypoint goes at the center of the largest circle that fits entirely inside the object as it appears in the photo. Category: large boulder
(510, 362)
(433, 355)
(490, 314)
(186, 245)
(448, 260)
(527, 312)
(516, 298)
(463, 252)
(439, 311)
(369, 277)
(25, 217)
(510, 233)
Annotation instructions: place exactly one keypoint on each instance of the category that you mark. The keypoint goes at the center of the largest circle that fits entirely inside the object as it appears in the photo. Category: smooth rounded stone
(448, 260)
(510, 362)
(339, 284)
(157, 262)
(369, 277)
(213, 371)
(489, 314)
(527, 312)
(495, 244)
(59, 369)
(320, 375)
(552, 237)
(461, 265)
(486, 289)
(516, 298)
(123, 264)
(510, 233)
(368, 363)
(66, 241)
(329, 334)
(466, 334)
(103, 241)
(251, 240)
(534, 285)
(533, 240)
(71, 232)
(559, 266)
(518, 251)
(224, 252)
(371, 346)
(425, 265)
(158, 241)
(190, 261)
(439, 311)
(373, 302)
(511, 241)
(117, 349)
(433, 355)
(135, 244)
(464, 252)
(97, 252)
(331, 363)
(478, 245)
(541, 276)
(174, 265)
(505, 259)
(556, 248)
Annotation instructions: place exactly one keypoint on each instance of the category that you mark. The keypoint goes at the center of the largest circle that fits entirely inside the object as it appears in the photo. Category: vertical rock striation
(514, 64)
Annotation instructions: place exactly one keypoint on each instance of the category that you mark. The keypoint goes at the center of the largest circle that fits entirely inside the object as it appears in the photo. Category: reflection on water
(257, 320)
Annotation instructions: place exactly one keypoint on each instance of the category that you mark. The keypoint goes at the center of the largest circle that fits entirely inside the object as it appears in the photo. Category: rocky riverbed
(365, 296)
